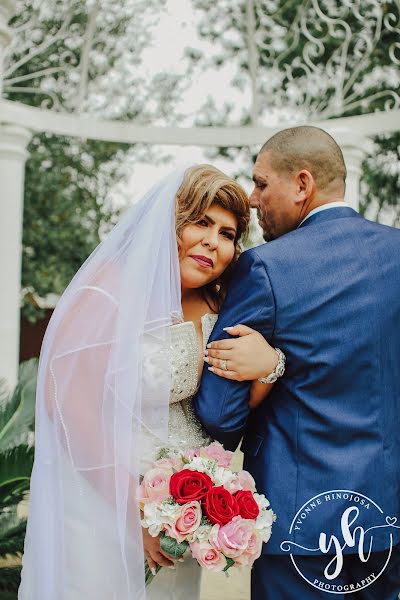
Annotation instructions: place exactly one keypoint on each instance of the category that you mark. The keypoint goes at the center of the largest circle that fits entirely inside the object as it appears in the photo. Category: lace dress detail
(185, 431)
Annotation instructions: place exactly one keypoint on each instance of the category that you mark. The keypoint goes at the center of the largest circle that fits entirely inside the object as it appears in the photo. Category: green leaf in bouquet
(229, 563)
(163, 453)
(172, 547)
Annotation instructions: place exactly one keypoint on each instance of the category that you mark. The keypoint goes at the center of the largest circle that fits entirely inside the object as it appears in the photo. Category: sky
(175, 31)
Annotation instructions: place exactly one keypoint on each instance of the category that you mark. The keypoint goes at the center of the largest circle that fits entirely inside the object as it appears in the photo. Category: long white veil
(93, 401)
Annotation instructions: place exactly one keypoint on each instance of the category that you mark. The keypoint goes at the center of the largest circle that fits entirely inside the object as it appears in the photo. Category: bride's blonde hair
(202, 186)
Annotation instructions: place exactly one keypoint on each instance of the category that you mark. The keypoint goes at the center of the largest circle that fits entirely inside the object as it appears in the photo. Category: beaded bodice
(184, 430)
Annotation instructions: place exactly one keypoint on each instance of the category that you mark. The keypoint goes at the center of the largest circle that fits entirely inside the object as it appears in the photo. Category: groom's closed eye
(259, 183)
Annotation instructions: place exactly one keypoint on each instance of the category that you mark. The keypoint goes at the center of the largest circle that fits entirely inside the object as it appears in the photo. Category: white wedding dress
(95, 560)
(185, 431)
(103, 391)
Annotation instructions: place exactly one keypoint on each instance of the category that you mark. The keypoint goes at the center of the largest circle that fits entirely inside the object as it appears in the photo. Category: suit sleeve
(221, 404)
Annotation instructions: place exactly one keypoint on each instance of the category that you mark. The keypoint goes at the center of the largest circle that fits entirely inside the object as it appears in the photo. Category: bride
(121, 359)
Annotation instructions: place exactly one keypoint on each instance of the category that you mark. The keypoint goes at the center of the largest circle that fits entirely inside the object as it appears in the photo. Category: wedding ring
(224, 365)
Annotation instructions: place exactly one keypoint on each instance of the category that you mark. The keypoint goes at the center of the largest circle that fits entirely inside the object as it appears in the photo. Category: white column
(13, 154)
(355, 148)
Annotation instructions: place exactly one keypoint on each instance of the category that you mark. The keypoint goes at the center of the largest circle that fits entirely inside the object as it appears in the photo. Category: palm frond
(13, 493)
(14, 546)
(16, 466)
(17, 412)
(12, 534)
(10, 578)
(4, 392)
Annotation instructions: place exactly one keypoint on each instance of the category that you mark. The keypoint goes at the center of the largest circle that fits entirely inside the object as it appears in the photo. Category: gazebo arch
(18, 122)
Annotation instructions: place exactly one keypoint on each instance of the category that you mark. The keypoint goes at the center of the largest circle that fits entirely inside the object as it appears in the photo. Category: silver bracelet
(278, 371)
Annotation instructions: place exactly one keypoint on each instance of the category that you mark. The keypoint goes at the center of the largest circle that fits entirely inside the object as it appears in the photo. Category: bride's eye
(228, 235)
(202, 222)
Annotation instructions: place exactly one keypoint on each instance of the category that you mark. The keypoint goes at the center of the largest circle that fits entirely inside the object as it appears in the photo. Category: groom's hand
(153, 553)
(246, 357)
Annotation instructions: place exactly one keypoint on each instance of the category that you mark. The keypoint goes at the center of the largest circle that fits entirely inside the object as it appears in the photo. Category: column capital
(14, 141)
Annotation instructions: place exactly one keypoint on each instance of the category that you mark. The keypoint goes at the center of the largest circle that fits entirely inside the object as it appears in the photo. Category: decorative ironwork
(79, 56)
(326, 58)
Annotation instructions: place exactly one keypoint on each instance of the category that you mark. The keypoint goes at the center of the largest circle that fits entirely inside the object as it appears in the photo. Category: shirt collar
(336, 204)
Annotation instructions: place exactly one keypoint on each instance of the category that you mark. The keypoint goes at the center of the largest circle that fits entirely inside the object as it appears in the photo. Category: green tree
(66, 186)
(83, 58)
(309, 59)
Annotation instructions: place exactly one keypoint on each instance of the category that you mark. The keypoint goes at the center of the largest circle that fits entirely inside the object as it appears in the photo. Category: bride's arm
(248, 358)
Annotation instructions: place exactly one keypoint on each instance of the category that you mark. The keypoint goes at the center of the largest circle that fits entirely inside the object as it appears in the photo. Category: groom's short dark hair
(310, 148)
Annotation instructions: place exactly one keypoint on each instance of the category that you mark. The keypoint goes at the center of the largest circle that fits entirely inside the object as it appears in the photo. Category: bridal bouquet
(198, 504)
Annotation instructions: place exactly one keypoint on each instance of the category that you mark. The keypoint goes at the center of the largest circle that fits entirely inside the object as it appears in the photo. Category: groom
(324, 446)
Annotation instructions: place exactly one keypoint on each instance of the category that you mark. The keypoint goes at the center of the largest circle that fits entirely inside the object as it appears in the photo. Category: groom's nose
(254, 199)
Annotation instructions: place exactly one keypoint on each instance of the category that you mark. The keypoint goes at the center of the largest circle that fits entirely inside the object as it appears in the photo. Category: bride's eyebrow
(225, 227)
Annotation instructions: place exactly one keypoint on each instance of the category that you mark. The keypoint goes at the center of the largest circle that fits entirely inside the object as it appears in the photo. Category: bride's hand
(153, 553)
(247, 357)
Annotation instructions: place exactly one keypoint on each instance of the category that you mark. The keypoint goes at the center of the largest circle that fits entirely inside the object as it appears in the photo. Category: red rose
(188, 485)
(248, 507)
(220, 506)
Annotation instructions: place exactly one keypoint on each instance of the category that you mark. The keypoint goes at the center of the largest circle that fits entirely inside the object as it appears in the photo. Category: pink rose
(246, 481)
(216, 452)
(155, 485)
(189, 454)
(207, 556)
(233, 485)
(168, 464)
(187, 522)
(252, 552)
(232, 539)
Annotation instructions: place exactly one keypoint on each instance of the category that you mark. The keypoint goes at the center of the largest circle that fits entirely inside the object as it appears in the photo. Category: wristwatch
(278, 371)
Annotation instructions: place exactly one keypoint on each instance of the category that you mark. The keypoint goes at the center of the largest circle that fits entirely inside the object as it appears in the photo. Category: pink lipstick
(203, 261)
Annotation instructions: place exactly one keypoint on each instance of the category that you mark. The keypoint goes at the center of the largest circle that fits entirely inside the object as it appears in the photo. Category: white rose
(169, 512)
(261, 501)
(223, 477)
(265, 534)
(203, 465)
(265, 519)
(202, 533)
(152, 518)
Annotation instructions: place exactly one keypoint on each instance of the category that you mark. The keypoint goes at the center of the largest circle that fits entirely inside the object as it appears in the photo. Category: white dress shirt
(325, 207)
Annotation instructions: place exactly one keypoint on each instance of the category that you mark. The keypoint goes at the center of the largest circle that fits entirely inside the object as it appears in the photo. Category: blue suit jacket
(328, 295)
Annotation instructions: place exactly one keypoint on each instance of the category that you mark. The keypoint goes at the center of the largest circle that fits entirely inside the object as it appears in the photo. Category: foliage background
(91, 59)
